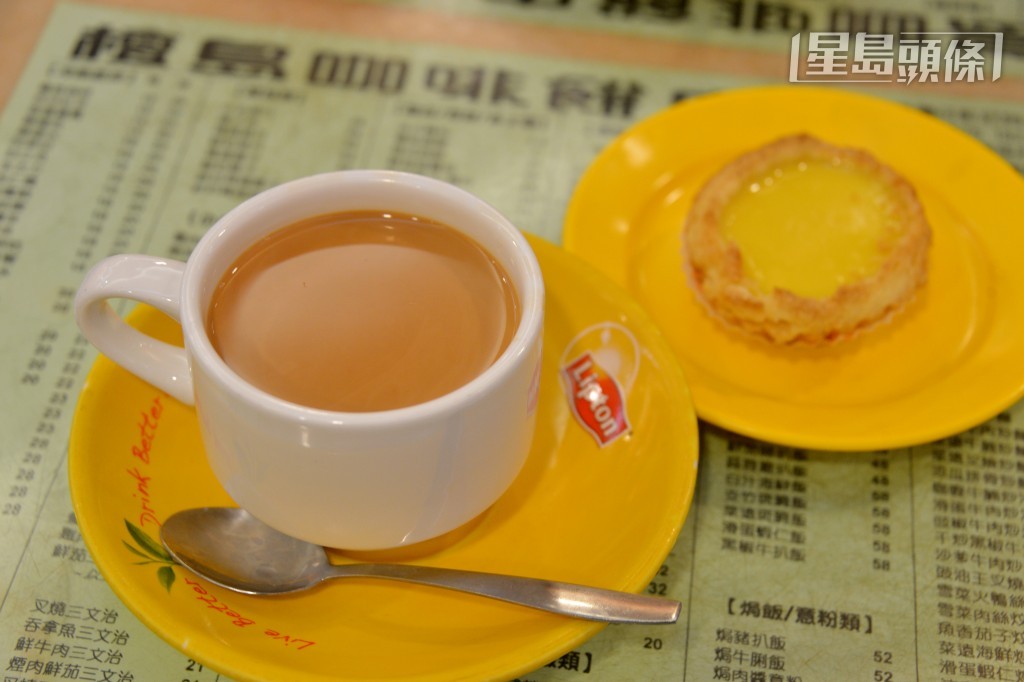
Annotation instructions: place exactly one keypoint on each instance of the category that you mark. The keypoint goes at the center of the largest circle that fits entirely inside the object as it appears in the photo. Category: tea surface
(362, 311)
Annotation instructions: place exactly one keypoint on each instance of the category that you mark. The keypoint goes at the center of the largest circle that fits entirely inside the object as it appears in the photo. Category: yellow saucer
(952, 359)
(581, 511)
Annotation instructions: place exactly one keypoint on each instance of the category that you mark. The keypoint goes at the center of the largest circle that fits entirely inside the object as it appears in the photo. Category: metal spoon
(233, 549)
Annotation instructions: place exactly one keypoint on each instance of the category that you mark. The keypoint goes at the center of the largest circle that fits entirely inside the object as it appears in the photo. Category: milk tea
(363, 311)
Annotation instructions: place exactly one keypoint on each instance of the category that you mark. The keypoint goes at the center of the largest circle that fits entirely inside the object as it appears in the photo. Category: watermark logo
(919, 57)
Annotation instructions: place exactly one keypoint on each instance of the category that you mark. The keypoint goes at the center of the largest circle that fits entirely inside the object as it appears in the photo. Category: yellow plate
(601, 515)
(954, 358)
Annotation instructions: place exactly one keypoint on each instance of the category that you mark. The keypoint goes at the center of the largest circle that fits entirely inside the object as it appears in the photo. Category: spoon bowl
(233, 549)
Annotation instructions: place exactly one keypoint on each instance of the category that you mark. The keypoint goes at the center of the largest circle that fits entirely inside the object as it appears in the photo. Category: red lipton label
(596, 399)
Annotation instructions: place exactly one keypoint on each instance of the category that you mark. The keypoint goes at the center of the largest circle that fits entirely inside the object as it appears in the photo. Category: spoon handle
(579, 601)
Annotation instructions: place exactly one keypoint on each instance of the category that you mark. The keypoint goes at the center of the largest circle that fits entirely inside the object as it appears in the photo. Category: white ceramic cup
(355, 480)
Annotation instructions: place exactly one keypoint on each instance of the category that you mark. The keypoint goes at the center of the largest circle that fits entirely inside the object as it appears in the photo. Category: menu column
(770, 534)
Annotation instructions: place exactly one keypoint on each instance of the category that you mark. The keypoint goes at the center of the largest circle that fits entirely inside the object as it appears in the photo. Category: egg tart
(805, 243)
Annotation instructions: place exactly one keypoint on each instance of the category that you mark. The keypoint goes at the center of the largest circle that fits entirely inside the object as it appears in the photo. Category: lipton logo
(596, 399)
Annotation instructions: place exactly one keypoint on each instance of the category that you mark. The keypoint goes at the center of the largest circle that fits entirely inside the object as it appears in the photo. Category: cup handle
(156, 281)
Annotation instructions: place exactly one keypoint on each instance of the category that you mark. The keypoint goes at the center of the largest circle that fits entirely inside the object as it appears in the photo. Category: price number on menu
(883, 659)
